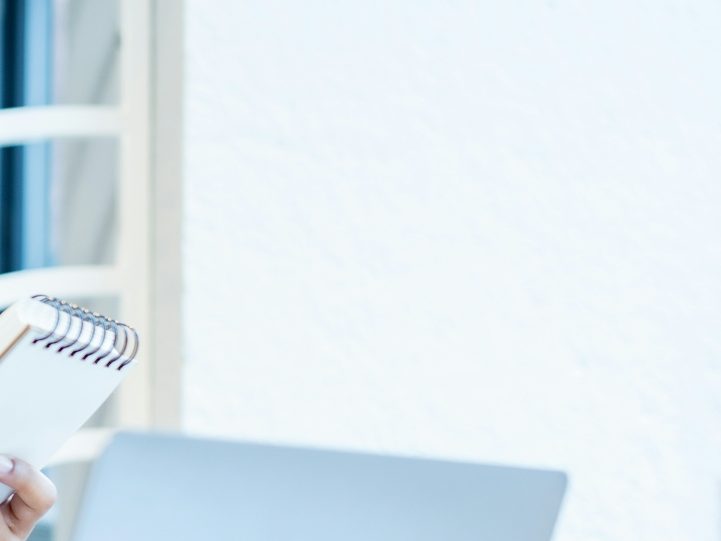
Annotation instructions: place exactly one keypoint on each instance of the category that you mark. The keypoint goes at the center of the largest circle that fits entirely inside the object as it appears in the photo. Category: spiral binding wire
(98, 323)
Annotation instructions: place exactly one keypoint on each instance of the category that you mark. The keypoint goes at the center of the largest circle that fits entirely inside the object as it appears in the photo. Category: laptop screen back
(150, 487)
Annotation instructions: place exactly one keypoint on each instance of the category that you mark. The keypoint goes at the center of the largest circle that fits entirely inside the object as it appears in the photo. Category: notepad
(58, 364)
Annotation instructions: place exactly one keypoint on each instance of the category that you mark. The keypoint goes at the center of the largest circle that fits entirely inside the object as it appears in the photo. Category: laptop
(162, 487)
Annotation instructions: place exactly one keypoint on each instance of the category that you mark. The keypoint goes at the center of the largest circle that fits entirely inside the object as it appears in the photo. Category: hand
(34, 496)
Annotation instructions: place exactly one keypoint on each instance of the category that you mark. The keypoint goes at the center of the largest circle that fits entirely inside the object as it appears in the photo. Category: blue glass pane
(63, 211)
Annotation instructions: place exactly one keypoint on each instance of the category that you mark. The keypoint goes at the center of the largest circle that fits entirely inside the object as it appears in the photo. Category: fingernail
(6, 464)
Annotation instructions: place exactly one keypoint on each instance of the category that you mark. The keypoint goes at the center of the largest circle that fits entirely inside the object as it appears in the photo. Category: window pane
(58, 203)
(58, 52)
(24, 220)
(85, 56)
(83, 218)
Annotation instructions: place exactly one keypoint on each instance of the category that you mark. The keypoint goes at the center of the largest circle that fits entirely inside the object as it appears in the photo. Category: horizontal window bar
(25, 124)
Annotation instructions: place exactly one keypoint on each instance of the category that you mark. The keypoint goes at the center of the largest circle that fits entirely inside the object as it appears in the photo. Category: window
(78, 183)
(25, 53)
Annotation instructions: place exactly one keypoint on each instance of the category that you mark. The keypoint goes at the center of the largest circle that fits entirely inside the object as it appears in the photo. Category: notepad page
(45, 396)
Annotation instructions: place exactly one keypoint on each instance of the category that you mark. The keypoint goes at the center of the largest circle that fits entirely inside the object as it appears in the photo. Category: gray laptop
(156, 487)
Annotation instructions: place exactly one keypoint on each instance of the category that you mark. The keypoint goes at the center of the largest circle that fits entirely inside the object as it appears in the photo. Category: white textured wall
(486, 230)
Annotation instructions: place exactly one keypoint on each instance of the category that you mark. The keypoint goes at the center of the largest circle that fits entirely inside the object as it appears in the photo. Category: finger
(5, 531)
(34, 493)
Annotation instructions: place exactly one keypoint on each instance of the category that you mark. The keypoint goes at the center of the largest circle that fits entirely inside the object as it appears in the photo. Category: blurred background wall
(469, 229)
